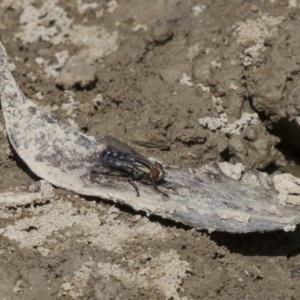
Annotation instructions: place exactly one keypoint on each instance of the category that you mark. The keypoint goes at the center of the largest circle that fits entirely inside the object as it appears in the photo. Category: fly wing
(116, 159)
(118, 146)
(114, 163)
(130, 154)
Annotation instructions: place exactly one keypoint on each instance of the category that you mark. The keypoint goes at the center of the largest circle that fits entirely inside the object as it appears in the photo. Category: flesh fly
(121, 160)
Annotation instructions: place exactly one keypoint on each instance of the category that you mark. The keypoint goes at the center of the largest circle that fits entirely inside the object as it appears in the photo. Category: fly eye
(155, 174)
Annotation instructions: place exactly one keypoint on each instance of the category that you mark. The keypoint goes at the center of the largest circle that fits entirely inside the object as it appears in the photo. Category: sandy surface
(185, 82)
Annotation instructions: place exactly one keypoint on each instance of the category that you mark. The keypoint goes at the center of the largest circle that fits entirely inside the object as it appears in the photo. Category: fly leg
(169, 186)
(130, 180)
(157, 189)
(117, 172)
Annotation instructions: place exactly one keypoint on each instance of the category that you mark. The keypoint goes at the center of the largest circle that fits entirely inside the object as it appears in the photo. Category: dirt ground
(186, 82)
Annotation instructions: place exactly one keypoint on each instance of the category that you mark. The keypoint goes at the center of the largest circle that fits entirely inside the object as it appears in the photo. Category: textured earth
(185, 82)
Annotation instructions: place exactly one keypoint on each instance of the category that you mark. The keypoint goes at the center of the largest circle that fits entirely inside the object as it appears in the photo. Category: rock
(78, 71)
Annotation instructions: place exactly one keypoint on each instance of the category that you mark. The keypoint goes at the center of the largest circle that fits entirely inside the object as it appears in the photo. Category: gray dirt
(185, 82)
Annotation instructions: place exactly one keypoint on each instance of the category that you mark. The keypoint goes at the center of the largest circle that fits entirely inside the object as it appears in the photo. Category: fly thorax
(140, 172)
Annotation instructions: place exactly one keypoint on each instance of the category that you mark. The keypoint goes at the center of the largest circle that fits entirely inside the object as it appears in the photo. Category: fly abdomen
(113, 158)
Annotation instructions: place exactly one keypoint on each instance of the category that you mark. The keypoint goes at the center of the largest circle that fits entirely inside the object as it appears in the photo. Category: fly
(121, 160)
